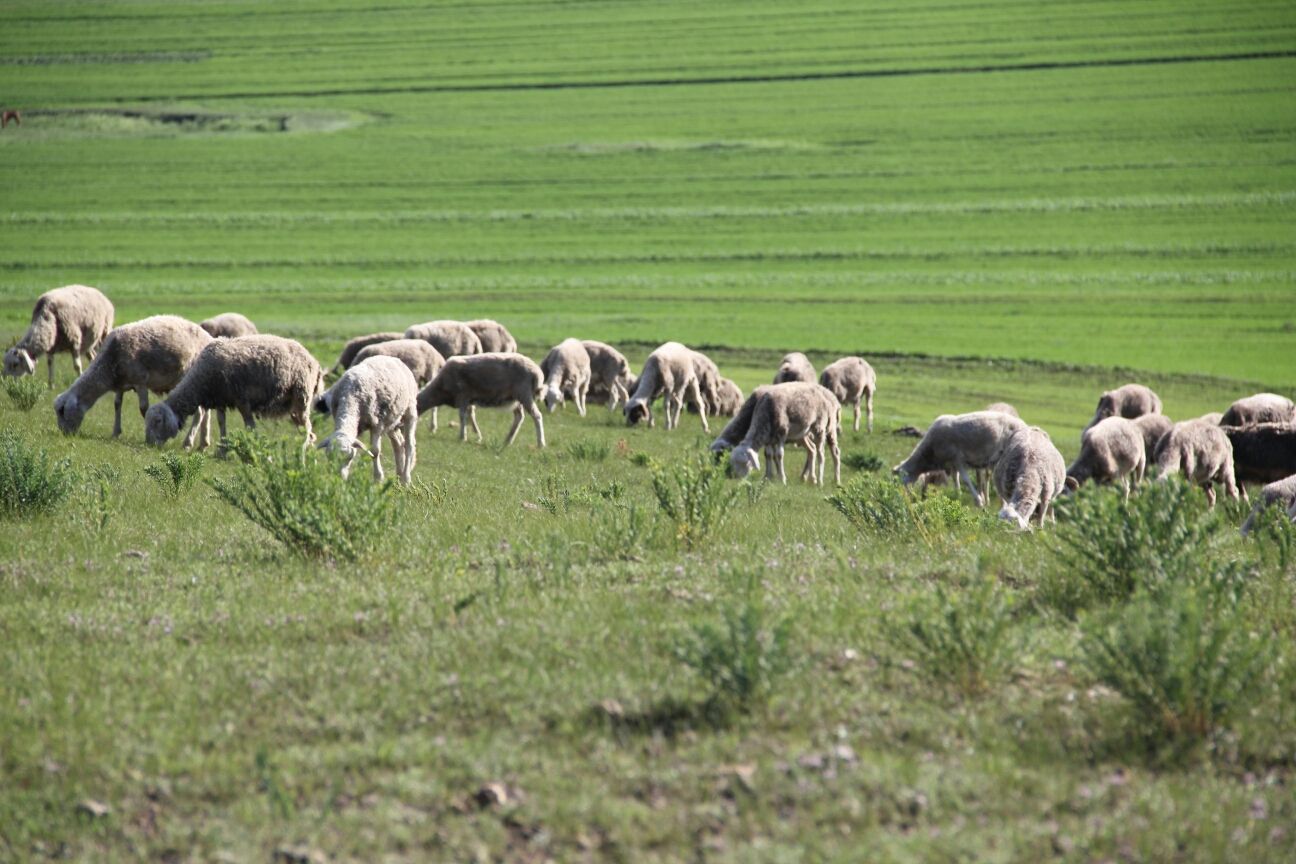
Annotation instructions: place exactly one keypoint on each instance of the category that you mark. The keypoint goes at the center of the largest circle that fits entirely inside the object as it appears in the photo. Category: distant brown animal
(10, 114)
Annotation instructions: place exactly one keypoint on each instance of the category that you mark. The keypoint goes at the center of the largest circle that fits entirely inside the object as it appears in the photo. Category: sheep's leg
(579, 396)
(977, 497)
(49, 366)
(778, 454)
(200, 423)
(346, 467)
(375, 444)
(823, 459)
(870, 414)
(397, 439)
(472, 418)
(1125, 484)
(809, 469)
(410, 427)
(117, 403)
(463, 422)
(701, 405)
(1210, 493)
(539, 424)
(857, 415)
(433, 424)
(835, 444)
(1231, 485)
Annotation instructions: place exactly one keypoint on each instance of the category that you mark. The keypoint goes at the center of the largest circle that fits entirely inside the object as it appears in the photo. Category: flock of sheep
(388, 379)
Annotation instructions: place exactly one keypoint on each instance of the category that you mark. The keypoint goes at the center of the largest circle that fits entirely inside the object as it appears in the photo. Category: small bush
(97, 502)
(23, 392)
(694, 496)
(879, 505)
(1274, 535)
(31, 481)
(176, 472)
(864, 461)
(301, 499)
(963, 639)
(589, 451)
(1183, 656)
(623, 531)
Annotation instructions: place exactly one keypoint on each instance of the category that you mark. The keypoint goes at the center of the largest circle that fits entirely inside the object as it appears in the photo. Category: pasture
(989, 201)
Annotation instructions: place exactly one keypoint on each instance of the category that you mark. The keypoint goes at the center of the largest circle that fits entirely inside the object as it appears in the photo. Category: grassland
(992, 200)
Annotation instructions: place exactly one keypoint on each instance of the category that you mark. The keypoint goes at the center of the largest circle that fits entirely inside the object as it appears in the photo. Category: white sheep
(1029, 473)
(729, 399)
(852, 379)
(422, 359)
(566, 370)
(669, 372)
(494, 336)
(1129, 401)
(794, 412)
(795, 367)
(377, 395)
(956, 443)
(1280, 492)
(1202, 453)
(358, 344)
(451, 338)
(152, 354)
(489, 380)
(708, 378)
(609, 372)
(73, 319)
(261, 376)
(1004, 408)
(1153, 427)
(1260, 408)
(229, 325)
(736, 429)
(1110, 450)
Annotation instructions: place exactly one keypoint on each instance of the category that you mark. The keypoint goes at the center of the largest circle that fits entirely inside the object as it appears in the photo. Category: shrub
(623, 531)
(879, 505)
(301, 499)
(864, 461)
(23, 392)
(589, 451)
(694, 496)
(176, 472)
(1275, 538)
(964, 639)
(96, 502)
(31, 481)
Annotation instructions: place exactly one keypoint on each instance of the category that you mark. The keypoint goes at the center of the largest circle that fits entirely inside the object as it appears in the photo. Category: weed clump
(879, 505)
(694, 496)
(962, 639)
(589, 451)
(176, 472)
(23, 392)
(31, 481)
(864, 461)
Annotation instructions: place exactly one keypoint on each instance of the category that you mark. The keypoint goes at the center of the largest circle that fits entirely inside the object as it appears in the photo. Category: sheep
(852, 379)
(792, 412)
(1263, 453)
(1029, 473)
(566, 369)
(494, 336)
(1215, 418)
(958, 442)
(1129, 401)
(1280, 492)
(1260, 408)
(1202, 452)
(358, 344)
(669, 371)
(1110, 450)
(490, 380)
(152, 354)
(795, 367)
(609, 372)
(451, 338)
(1153, 427)
(419, 357)
(730, 399)
(736, 429)
(377, 394)
(261, 376)
(74, 319)
(1004, 408)
(229, 325)
(708, 378)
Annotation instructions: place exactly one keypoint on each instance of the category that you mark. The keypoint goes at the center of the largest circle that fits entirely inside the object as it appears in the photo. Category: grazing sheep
(609, 372)
(1110, 450)
(730, 399)
(736, 429)
(494, 336)
(708, 377)
(261, 376)
(378, 395)
(1263, 453)
(1260, 408)
(74, 319)
(792, 412)
(566, 370)
(451, 338)
(852, 379)
(229, 325)
(1029, 474)
(795, 367)
(152, 354)
(669, 371)
(1153, 427)
(358, 344)
(489, 380)
(1130, 401)
(1214, 418)
(958, 442)
(423, 361)
(1281, 492)
(1202, 452)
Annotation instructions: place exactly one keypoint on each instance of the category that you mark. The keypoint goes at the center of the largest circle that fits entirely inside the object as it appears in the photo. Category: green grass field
(998, 200)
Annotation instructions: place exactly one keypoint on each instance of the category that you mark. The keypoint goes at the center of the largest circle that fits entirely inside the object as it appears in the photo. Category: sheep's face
(161, 424)
(70, 411)
(906, 477)
(553, 397)
(744, 460)
(17, 363)
(1009, 514)
(637, 411)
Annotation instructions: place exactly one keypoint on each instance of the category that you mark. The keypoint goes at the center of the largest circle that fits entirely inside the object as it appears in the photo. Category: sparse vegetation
(964, 639)
(32, 481)
(176, 472)
(23, 392)
(694, 495)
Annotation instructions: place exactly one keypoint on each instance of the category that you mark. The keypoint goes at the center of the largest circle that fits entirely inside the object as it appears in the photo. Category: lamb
(958, 442)
(669, 371)
(609, 372)
(1110, 450)
(1263, 453)
(795, 367)
(261, 376)
(729, 401)
(1003, 407)
(1281, 492)
(378, 395)
(792, 412)
(73, 319)
(851, 379)
(1202, 452)
(494, 336)
(1129, 401)
(490, 380)
(451, 338)
(1153, 427)
(1260, 408)
(1029, 474)
(358, 344)
(229, 325)
(566, 369)
(152, 354)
